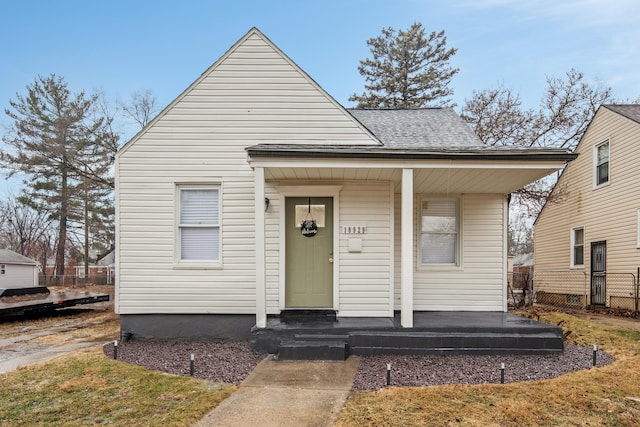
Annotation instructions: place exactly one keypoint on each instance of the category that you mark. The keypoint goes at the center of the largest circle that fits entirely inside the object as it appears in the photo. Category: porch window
(315, 212)
(439, 231)
(577, 247)
(601, 171)
(199, 223)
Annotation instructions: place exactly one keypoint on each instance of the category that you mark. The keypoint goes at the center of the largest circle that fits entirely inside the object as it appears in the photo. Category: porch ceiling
(458, 180)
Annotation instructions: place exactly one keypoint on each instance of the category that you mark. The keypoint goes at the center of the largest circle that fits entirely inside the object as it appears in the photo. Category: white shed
(17, 271)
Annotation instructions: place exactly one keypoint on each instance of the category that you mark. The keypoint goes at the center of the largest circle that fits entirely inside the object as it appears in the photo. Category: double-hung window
(439, 231)
(199, 223)
(577, 247)
(601, 171)
(3, 269)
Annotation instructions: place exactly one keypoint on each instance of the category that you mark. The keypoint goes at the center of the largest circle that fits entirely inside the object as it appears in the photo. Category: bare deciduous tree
(26, 231)
(140, 108)
(566, 109)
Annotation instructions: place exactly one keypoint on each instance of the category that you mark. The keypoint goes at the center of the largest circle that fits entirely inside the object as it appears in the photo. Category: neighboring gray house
(410, 208)
(17, 271)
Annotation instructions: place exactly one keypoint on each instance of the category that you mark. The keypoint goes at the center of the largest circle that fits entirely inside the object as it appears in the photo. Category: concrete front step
(338, 347)
(433, 333)
(312, 350)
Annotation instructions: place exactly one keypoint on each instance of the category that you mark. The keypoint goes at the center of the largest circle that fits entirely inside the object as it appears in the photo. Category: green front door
(309, 260)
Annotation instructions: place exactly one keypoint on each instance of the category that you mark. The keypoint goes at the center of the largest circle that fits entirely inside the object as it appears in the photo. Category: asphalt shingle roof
(630, 111)
(418, 128)
(427, 133)
(10, 257)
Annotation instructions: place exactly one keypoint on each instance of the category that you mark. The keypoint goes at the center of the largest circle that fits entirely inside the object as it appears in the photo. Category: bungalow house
(255, 194)
(592, 233)
(17, 271)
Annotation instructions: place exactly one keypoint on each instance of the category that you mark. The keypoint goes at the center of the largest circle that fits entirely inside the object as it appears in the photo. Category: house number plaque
(354, 229)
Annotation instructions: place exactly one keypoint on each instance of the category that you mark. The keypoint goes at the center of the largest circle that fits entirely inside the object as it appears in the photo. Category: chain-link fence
(578, 289)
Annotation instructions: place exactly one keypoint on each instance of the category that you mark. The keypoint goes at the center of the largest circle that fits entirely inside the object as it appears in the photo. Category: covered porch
(404, 175)
(439, 333)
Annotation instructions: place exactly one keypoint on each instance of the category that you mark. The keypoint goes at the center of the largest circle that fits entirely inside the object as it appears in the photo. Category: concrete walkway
(287, 393)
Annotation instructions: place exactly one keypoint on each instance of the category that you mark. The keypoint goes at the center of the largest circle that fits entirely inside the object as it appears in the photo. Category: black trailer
(38, 299)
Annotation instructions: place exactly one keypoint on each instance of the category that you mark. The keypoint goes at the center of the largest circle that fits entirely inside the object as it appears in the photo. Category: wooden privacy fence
(73, 280)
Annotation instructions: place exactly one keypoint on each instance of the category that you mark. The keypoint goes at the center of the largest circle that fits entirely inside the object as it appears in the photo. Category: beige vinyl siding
(252, 95)
(607, 213)
(477, 283)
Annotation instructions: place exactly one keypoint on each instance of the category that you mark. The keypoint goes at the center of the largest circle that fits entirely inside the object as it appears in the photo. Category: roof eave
(350, 153)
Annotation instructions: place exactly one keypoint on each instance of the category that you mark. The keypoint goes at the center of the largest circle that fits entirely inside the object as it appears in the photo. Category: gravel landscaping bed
(231, 362)
(438, 370)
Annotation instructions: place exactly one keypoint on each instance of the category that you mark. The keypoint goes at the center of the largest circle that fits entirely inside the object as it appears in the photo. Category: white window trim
(446, 266)
(595, 165)
(573, 241)
(179, 263)
(3, 269)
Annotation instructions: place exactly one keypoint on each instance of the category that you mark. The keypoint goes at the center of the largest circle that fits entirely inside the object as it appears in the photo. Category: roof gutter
(310, 152)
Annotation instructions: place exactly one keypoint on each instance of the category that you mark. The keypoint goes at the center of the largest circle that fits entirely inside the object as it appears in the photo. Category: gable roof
(10, 257)
(418, 128)
(250, 37)
(630, 111)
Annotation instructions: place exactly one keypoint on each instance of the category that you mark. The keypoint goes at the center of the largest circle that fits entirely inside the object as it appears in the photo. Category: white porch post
(406, 250)
(261, 285)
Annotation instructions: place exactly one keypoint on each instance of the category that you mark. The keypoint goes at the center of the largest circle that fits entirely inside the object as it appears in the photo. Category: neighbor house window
(577, 247)
(199, 223)
(3, 269)
(439, 231)
(602, 163)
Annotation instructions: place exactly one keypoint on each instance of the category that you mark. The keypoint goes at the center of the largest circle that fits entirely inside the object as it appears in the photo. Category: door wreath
(308, 226)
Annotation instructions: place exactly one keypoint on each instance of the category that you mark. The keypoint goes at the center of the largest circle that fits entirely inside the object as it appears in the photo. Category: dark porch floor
(432, 333)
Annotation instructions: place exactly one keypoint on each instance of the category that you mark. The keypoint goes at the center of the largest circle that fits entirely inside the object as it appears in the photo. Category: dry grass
(608, 395)
(86, 327)
(87, 388)
(99, 327)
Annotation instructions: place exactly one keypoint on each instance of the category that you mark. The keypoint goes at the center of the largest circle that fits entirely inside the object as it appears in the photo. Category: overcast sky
(119, 47)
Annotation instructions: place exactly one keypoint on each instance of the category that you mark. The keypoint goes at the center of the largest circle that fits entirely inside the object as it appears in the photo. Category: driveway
(23, 342)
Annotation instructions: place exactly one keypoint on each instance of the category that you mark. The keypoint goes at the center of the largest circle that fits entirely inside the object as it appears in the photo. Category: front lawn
(87, 388)
(608, 395)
